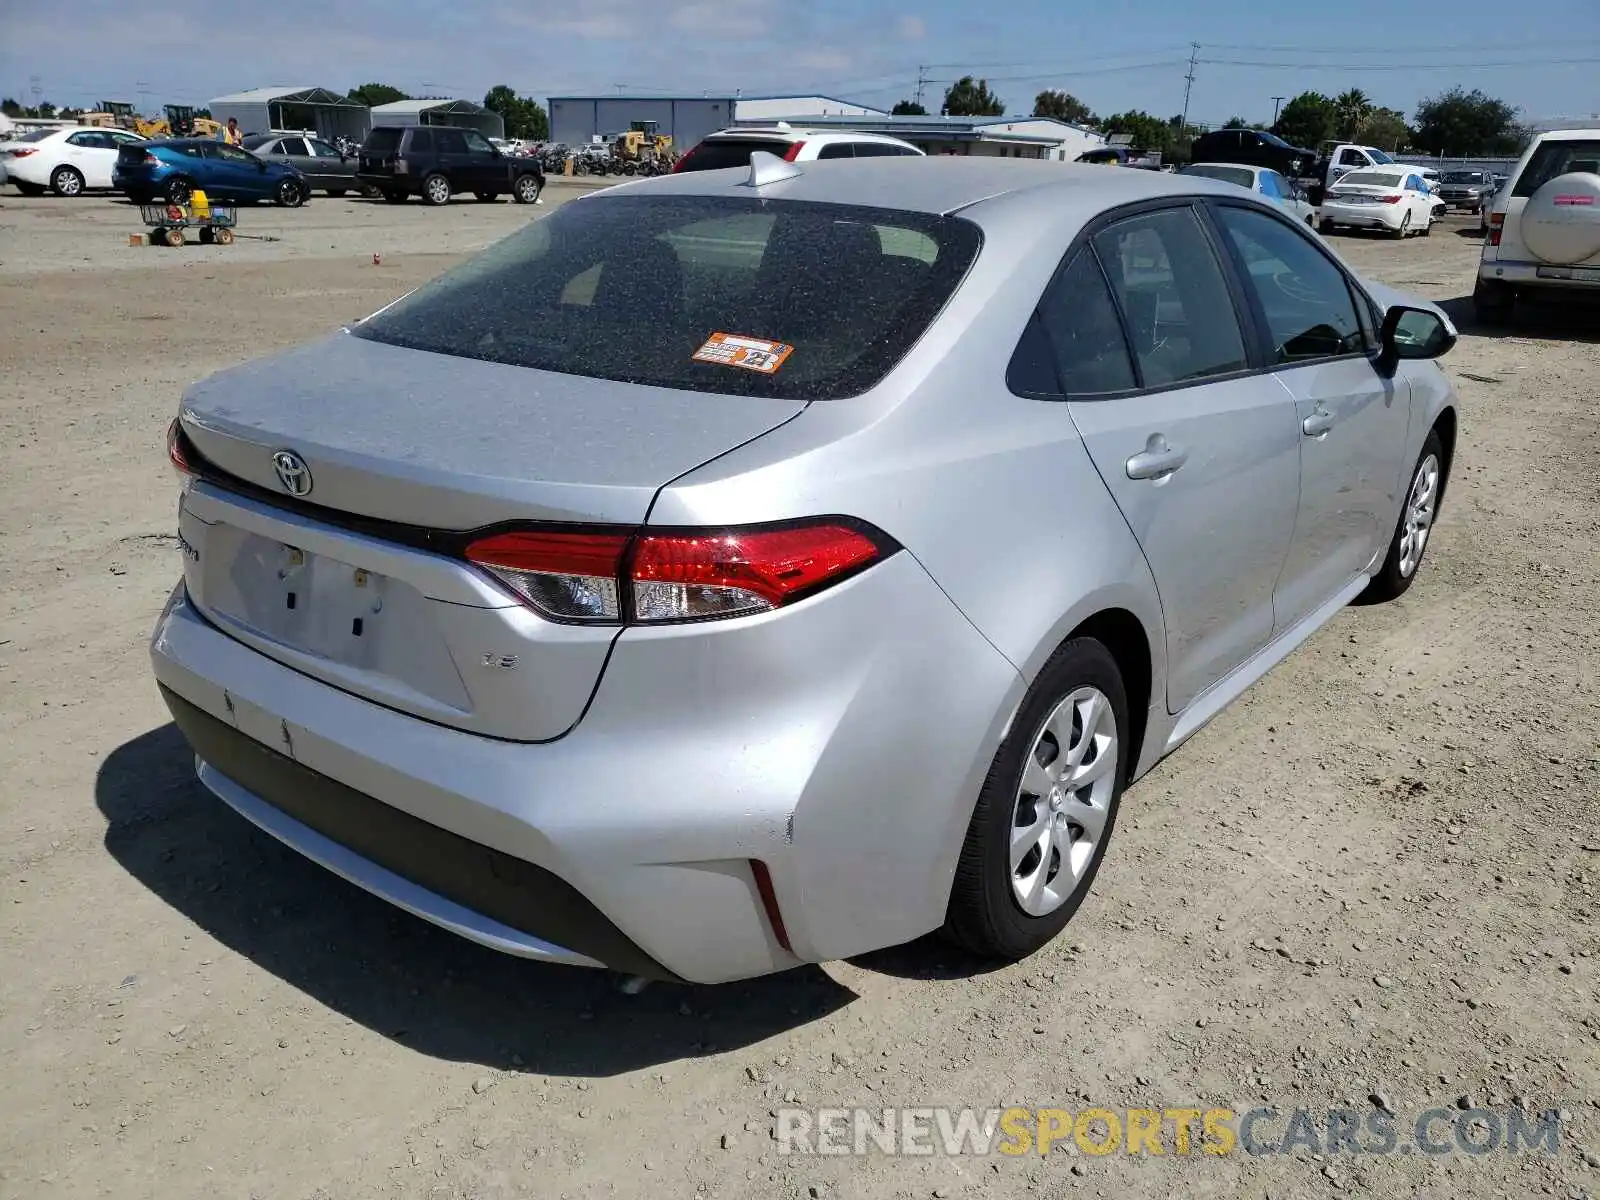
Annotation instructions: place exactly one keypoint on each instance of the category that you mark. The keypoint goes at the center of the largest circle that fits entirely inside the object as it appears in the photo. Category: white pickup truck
(1340, 158)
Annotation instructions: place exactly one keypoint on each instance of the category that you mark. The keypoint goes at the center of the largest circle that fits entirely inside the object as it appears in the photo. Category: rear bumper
(385, 183)
(1525, 276)
(840, 742)
(1364, 216)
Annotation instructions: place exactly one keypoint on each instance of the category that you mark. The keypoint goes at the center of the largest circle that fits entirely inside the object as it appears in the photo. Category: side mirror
(1413, 333)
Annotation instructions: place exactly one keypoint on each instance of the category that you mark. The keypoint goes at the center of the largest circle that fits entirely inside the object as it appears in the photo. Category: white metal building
(576, 119)
(994, 137)
(262, 110)
(463, 113)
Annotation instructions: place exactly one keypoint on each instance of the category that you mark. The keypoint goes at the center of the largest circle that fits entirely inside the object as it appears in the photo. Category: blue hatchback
(172, 168)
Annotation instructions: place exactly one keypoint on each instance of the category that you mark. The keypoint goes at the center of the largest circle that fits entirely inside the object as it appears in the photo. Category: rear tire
(1025, 784)
(1412, 531)
(436, 190)
(1404, 231)
(179, 190)
(1493, 302)
(67, 181)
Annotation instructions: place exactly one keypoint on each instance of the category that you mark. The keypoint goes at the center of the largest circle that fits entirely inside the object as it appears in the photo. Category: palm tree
(1352, 109)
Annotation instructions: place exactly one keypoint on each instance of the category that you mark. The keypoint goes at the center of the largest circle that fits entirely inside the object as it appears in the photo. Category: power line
(1325, 66)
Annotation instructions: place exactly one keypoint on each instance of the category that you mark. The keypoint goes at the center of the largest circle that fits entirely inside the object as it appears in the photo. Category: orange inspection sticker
(735, 350)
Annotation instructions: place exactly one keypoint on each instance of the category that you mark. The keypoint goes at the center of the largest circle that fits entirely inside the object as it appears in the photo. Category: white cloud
(825, 60)
(911, 29)
(724, 18)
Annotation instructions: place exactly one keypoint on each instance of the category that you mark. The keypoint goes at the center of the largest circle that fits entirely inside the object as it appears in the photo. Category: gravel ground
(1372, 881)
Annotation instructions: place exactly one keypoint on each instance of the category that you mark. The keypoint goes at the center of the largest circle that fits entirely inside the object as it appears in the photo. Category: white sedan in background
(1264, 181)
(67, 161)
(1393, 199)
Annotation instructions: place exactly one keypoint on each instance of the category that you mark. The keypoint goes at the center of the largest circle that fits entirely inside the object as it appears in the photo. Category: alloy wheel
(68, 182)
(438, 190)
(1421, 505)
(1059, 820)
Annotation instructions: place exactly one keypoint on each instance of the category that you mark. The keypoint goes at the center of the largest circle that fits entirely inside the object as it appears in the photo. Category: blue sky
(1542, 56)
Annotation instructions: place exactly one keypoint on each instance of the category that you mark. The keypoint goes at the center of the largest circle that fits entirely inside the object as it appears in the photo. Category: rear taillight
(569, 576)
(24, 152)
(1390, 199)
(678, 575)
(793, 151)
(150, 160)
(684, 161)
(175, 451)
(1497, 223)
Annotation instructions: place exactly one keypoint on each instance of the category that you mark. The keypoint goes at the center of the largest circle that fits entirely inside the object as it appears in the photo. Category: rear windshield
(382, 141)
(1370, 179)
(714, 154)
(639, 288)
(1558, 158)
(1238, 175)
(1463, 177)
(37, 135)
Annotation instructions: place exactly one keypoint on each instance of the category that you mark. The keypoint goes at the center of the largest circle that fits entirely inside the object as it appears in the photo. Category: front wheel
(289, 194)
(1045, 812)
(526, 189)
(1414, 527)
(66, 181)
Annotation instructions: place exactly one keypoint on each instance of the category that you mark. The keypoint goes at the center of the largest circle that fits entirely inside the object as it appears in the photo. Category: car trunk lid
(339, 482)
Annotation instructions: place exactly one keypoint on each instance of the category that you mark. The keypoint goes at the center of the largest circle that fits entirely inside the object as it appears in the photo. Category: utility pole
(36, 87)
(1188, 85)
(143, 90)
(1276, 100)
(922, 82)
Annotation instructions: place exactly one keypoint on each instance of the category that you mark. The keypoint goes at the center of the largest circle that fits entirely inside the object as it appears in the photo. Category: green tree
(374, 94)
(1387, 130)
(1307, 121)
(967, 97)
(10, 107)
(1352, 110)
(907, 108)
(524, 118)
(1147, 132)
(1236, 123)
(1458, 122)
(1063, 106)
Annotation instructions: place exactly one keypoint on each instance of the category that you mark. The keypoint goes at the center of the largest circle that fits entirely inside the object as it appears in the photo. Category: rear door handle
(1157, 460)
(1318, 423)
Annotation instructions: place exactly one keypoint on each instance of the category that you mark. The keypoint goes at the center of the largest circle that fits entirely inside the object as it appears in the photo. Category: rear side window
(1558, 158)
(291, 146)
(1080, 321)
(714, 154)
(449, 141)
(421, 142)
(1305, 298)
(1175, 298)
(632, 287)
(837, 150)
(382, 141)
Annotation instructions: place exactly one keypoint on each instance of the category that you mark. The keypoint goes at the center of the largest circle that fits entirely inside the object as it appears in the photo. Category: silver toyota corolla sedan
(754, 567)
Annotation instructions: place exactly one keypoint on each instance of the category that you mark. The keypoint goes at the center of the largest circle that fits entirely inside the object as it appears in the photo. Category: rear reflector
(675, 576)
(769, 901)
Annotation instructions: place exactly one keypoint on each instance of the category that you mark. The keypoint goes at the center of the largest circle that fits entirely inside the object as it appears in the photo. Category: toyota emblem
(292, 472)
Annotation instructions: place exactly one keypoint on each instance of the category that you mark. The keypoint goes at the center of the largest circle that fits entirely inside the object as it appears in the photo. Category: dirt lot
(1374, 876)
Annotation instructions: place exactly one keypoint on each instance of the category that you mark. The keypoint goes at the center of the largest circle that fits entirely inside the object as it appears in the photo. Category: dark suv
(1253, 148)
(436, 161)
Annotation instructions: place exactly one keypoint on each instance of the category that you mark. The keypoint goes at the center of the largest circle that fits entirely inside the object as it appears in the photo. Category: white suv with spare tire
(1544, 228)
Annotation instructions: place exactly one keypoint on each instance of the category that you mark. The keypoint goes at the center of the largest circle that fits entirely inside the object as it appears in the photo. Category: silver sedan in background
(1264, 181)
(755, 567)
(324, 167)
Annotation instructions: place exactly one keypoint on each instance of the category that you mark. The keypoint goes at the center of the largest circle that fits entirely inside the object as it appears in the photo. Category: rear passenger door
(1351, 420)
(1199, 450)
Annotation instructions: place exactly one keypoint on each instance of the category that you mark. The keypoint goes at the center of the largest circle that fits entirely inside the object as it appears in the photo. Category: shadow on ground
(396, 974)
(1575, 321)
